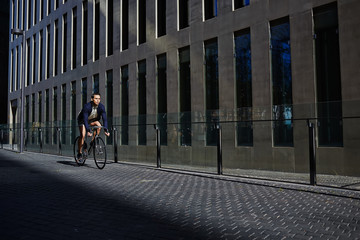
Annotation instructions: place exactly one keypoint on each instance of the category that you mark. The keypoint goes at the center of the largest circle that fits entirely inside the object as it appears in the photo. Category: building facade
(262, 67)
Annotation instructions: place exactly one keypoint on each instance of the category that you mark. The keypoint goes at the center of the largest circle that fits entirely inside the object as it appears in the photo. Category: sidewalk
(49, 197)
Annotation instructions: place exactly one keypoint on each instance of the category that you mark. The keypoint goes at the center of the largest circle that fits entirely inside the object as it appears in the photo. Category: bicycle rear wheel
(100, 153)
(81, 161)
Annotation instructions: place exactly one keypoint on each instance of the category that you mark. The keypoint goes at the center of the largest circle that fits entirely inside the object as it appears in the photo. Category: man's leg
(96, 123)
(82, 131)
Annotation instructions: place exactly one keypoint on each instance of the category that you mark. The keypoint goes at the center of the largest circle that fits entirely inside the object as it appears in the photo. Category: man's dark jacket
(85, 112)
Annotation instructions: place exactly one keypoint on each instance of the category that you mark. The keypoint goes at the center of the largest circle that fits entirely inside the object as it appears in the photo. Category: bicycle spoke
(99, 153)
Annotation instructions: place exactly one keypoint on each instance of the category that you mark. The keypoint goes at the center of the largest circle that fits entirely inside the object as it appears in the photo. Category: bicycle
(98, 147)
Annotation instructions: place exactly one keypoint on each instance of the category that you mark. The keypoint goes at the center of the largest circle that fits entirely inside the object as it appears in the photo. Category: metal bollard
(219, 149)
(2, 139)
(158, 149)
(312, 153)
(115, 144)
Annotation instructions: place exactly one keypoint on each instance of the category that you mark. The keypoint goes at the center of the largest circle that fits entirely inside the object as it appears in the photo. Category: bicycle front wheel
(100, 153)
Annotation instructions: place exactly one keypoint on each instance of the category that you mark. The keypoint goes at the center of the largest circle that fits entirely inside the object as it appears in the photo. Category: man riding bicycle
(90, 115)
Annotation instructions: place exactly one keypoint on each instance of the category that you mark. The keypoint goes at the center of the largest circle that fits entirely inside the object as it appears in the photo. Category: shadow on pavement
(38, 205)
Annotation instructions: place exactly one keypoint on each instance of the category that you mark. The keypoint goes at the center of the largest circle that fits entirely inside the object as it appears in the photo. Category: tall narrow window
(56, 48)
(48, 51)
(33, 118)
(162, 97)
(55, 104)
(63, 113)
(17, 69)
(29, 14)
(241, 3)
(161, 17)
(41, 56)
(55, 109)
(35, 5)
(212, 90)
(47, 105)
(141, 21)
(110, 26)
(49, 6)
(74, 37)
(185, 96)
(184, 10)
(40, 106)
(96, 29)
(83, 91)
(27, 110)
(84, 32)
(142, 102)
(109, 94)
(41, 6)
(125, 105)
(63, 102)
(125, 25)
(210, 9)
(34, 65)
(64, 47)
(243, 84)
(73, 100)
(28, 55)
(12, 70)
(328, 77)
(96, 88)
(281, 83)
(56, 4)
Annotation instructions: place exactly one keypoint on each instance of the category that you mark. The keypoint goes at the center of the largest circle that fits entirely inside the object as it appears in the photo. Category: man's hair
(92, 95)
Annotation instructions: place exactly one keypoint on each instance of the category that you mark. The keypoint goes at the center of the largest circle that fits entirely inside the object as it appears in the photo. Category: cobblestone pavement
(49, 197)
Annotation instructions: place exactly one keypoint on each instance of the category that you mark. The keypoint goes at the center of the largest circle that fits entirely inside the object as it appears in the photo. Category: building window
(41, 55)
(84, 32)
(161, 17)
(83, 91)
(142, 102)
(141, 21)
(162, 97)
(11, 72)
(184, 10)
(281, 83)
(47, 105)
(48, 51)
(27, 110)
(243, 85)
(241, 3)
(96, 88)
(56, 48)
(125, 24)
(328, 76)
(49, 6)
(185, 96)
(109, 94)
(41, 7)
(211, 90)
(125, 105)
(40, 106)
(33, 108)
(29, 14)
(34, 53)
(55, 104)
(96, 29)
(56, 5)
(28, 55)
(17, 68)
(73, 100)
(74, 36)
(64, 47)
(35, 5)
(110, 25)
(63, 102)
(210, 9)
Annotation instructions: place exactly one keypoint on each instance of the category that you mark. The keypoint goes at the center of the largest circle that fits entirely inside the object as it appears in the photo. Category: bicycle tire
(99, 152)
(75, 148)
